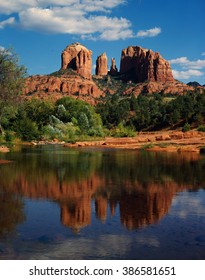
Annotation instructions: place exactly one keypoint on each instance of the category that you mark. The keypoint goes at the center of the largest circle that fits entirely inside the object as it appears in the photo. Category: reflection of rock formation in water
(11, 212)
(138, 205)
(101, 208)
(76, 213)
(144, 208)
(112, 182)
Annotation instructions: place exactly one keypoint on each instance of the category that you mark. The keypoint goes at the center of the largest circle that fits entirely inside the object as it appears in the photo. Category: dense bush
(27, 129)
(68, 119)
(122, 131)
(201, 128)
(151, 112)
(186, 127)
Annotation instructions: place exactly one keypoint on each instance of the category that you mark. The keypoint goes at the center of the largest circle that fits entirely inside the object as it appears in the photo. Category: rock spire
(102, 65)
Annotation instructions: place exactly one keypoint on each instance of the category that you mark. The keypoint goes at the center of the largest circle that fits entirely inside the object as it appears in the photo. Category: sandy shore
(169, 141)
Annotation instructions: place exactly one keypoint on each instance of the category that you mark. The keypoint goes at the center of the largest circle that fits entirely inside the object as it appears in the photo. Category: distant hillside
(194, 84)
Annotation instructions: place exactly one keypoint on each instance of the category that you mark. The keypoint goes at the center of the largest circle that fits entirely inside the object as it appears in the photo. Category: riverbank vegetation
(70, 120)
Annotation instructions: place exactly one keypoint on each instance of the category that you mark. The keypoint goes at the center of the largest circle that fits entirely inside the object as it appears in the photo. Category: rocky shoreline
(166, 141)
(169, 141)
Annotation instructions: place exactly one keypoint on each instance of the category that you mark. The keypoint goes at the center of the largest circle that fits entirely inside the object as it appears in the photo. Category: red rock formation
(113, 68)
(152, 87)
(101, 65)
(140, 65)
(148, 69)
(65, 85)
(77, 58)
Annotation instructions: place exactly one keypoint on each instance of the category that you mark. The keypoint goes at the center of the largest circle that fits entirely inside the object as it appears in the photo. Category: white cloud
(153, 32)
(187, 74)
(82, 17)
(14, 6)
(187, 69)
(203, 54)
(9, 21)
(186, 63)
(180, 60)
(65, 20)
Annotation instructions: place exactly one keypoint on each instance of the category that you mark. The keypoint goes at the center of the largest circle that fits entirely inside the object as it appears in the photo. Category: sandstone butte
(142, 70)
(101, 65)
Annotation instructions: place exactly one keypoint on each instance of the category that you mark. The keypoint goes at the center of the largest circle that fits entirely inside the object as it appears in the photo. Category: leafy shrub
(49, 132)
(201, 128)
(97, 131)
(123, 131)
(27, 129)
(9, 136)
(186, 127)
(61, 131)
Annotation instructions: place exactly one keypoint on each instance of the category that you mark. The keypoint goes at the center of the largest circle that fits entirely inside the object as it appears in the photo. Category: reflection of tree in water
(11, 212)
(142, 184)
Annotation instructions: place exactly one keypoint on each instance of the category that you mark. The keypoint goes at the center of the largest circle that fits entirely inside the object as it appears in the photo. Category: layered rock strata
(147, 69)
(140, 65)
(57, 87)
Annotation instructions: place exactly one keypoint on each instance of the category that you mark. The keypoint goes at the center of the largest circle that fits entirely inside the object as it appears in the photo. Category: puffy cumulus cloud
(116, 34)
(187, 74)
(82, 17)
(187, 69)
(73, 21)
(153, 32)
(14, 6)
(186, 63)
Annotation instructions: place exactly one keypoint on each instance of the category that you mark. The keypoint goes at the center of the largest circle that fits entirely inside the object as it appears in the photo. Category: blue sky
(38, 31)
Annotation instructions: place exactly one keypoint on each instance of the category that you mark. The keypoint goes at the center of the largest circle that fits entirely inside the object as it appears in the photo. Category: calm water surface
(60, 203)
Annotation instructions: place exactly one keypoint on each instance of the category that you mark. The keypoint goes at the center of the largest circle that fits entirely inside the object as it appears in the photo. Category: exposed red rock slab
(168, 141)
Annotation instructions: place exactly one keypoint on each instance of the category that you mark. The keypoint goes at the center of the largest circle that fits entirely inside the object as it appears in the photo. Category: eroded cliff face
(102, 65)
(65, 85)
(140, 65)
(78, 58)
(147, 69)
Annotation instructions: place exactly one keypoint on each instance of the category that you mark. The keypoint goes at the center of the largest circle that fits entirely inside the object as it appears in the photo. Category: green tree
(39, 111)
(11, 81)
(83, 122)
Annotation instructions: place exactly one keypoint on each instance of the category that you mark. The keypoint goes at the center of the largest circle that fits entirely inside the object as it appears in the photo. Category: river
(90, 203)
